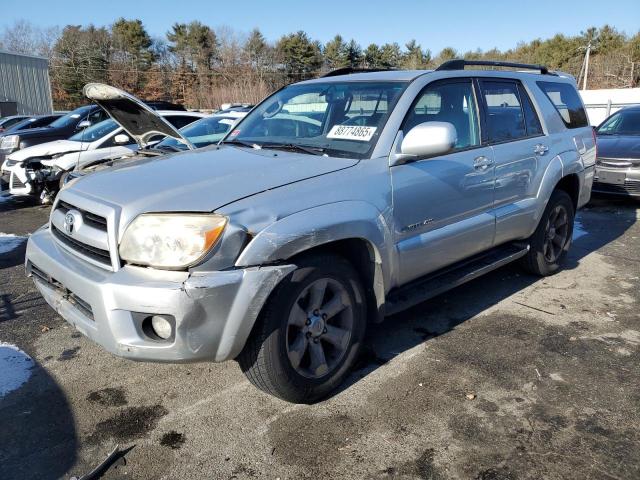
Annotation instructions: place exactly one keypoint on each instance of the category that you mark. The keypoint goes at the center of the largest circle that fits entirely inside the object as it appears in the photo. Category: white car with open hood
(37, 170)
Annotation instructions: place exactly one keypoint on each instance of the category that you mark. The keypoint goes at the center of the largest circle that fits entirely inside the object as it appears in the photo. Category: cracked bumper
(214, 312)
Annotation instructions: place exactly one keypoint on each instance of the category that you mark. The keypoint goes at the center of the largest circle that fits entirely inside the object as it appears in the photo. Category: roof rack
(459, 64)
(349, 70)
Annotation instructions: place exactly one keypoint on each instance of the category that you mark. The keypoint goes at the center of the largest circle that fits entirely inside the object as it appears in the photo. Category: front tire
(309, 333)
(550, 242)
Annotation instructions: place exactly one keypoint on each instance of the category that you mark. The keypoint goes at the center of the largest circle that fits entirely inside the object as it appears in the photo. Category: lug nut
(316, 312)
(324, 316)
(315, 340)
(324, 330)
(308, 322)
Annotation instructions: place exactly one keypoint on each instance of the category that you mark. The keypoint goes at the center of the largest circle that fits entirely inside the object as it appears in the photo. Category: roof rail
(459, 64)
(349, 70)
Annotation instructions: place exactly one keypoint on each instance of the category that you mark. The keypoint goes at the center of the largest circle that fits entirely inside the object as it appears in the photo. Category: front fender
(320, 225)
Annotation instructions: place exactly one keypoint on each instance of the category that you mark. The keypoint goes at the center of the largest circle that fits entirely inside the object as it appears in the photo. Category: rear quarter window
(565, 99)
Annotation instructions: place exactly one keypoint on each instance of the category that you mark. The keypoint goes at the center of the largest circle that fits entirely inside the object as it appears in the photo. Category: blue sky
(462, 24)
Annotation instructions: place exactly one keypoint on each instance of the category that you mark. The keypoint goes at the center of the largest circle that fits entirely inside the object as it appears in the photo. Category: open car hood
(137, 119)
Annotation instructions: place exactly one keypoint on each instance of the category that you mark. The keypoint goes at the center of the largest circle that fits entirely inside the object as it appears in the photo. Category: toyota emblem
(69, 220)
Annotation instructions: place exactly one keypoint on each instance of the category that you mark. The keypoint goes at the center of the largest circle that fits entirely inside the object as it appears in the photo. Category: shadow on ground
(401, 332)
(40, 440)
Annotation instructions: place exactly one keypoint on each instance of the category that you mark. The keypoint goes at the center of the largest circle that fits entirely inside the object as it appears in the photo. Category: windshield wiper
(294, 147)
(242, 143)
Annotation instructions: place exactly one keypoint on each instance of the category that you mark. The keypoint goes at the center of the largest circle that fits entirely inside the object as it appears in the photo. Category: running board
(439, 282)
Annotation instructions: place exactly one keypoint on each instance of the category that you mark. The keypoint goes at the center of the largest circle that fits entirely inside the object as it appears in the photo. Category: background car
(8, 122)
(618, 163)
(37, 170)
(36, 121)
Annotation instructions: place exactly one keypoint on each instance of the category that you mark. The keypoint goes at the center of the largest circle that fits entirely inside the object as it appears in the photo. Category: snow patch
(9, 242)
(15, 368)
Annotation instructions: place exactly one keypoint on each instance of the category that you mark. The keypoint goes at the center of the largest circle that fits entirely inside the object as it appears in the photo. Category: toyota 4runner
(334, 203)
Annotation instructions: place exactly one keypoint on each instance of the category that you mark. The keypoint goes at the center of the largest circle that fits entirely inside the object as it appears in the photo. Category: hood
(201, 180)
(619, 146)
(48, 149)
(42, 132)
(137, 119)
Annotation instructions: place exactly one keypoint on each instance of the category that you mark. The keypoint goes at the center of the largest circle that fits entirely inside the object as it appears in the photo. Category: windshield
(621, 123)
(204, 132)
(70, 118)
(95, 132)
(341, 119)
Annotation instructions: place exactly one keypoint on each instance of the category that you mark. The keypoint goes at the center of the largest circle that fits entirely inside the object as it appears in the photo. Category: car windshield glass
(621, 123)
(70, 118)
(95, 132)
(341, 119)
(201, 133)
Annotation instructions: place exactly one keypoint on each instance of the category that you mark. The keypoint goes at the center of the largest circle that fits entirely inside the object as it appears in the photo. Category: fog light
(161, 327)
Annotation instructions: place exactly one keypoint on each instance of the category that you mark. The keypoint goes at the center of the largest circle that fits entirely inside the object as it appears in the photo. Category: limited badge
(352, 132)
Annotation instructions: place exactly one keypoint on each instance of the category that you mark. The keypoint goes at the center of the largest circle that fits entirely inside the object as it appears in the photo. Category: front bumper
(214, 312)
(617, 181)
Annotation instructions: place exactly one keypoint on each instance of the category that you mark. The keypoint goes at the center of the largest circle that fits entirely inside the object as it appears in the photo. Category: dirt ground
(507, 377)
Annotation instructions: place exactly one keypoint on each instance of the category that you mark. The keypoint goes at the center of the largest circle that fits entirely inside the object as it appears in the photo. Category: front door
(442, 205)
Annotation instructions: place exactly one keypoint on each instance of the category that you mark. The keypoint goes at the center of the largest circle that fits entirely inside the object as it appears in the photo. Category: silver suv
(334, 203)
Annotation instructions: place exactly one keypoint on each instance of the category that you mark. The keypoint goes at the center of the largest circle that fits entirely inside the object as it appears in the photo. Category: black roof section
(350, 70)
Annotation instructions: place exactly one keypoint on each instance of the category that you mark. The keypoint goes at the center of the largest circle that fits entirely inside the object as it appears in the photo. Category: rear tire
(550, 242)
(309, 333)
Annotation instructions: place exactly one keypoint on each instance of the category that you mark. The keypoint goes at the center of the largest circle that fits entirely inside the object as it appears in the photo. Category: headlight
(170, 240)
(10, 143)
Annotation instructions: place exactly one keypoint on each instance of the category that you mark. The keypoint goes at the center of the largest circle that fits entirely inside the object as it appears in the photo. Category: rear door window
(567, 102)
(504, 115)
(534, 128)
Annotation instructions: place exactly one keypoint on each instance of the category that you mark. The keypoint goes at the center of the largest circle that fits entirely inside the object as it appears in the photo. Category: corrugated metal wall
(25, 79)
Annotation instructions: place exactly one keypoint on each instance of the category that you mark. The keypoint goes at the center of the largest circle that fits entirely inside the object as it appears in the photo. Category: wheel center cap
(317, 325)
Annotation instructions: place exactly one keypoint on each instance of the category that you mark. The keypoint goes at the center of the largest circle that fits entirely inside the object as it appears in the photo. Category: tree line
(201, 67)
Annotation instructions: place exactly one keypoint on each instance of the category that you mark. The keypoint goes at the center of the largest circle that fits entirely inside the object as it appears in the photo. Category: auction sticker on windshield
(352, 132)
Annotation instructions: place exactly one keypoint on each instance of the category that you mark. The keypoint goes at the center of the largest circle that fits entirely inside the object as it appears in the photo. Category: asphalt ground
(507, 377)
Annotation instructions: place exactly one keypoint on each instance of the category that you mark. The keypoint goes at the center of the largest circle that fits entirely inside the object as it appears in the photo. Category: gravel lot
(508, 377)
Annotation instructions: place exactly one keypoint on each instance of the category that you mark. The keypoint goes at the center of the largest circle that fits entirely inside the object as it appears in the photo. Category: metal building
(24, 85)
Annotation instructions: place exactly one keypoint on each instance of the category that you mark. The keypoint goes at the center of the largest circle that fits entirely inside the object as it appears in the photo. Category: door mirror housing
(122, 139)
(83, 124)
(429, 139)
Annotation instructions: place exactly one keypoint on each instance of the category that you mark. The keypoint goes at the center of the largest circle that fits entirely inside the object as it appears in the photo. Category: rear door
(521, 152)
(442, 205)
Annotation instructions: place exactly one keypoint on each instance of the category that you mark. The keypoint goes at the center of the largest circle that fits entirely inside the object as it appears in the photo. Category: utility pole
(586, 67)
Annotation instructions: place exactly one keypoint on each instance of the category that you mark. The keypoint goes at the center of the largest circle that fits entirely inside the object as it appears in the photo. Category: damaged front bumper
(213, 312)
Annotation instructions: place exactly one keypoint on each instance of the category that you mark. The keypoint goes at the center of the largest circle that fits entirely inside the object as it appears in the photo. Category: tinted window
(95, 132)
(451, 102)
(567, 102)
(625, 122)
(530, 116)
(504, 115)
(70, 118)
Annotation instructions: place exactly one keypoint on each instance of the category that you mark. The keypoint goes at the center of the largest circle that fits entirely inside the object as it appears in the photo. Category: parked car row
(35, 163)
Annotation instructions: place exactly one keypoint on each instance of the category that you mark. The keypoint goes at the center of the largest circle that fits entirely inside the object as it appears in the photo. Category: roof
(409, 75)
(383, 75)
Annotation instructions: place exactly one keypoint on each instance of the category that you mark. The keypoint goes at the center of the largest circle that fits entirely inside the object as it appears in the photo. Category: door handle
(540, 149)
(482, 163)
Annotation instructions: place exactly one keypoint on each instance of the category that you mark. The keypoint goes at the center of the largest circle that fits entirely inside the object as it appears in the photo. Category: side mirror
(83, 124)
(429, 139)
(122, 139)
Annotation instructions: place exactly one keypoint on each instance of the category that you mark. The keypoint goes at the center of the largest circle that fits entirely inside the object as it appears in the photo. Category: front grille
(83, 306)
(629, 188)
(97, 254)
(96, 221)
